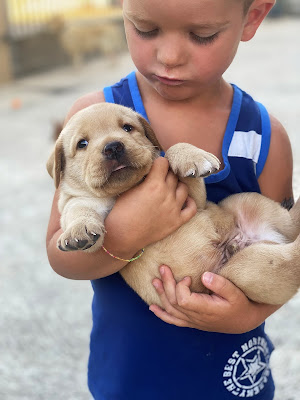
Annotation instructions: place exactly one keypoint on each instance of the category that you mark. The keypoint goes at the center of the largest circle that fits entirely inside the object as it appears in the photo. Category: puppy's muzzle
(114, 151)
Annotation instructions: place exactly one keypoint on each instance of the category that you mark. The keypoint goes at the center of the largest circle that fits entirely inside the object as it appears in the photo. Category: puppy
(251, 240)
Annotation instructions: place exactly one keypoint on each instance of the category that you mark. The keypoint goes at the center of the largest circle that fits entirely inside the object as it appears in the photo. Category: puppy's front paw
(82, 237)
(187, 160)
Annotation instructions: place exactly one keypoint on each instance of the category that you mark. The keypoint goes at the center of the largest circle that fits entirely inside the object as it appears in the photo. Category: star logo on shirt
(247, 371)
(252, 367)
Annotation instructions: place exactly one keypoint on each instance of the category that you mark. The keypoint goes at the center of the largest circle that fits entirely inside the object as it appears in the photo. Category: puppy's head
(104, 149)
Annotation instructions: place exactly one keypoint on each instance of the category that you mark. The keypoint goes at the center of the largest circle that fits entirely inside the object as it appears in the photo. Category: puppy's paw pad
(80, 244)
(71, 244)
(191, 173)
(202, 168)
(207, 166)
(93, 235)
(80, 237)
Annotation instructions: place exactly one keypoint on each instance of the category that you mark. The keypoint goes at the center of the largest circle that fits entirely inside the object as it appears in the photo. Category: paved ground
(45, 319)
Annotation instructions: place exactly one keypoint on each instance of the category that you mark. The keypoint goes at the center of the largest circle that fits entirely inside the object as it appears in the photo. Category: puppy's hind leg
(266, 273)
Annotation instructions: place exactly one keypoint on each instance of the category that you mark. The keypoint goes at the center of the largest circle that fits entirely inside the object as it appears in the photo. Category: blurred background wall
(51, 53)
(40, 34)
(36, 35)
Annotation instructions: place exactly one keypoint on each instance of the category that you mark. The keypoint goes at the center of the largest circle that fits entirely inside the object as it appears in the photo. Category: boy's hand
(151, 211)
(227, 310)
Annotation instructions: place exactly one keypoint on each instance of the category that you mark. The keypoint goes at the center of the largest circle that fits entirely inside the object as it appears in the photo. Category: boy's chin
(177, 93)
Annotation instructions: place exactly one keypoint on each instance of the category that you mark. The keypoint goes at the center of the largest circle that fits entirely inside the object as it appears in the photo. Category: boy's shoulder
(85, 101)
(276, 178)
(280, 146)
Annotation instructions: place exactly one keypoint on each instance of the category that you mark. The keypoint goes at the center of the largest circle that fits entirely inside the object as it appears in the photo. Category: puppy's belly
(258, 219)
(207, 242)
(190, 251)
(244, 235)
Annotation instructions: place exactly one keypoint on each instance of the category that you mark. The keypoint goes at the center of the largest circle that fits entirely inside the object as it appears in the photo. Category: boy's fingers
(182, 192)
(194, 303)
(169, 284)
(189, 211)
(167, 306)
(159, 287)
(221, 286)
(183, 292)
(159, 169)
(168, 318)
(172, 181)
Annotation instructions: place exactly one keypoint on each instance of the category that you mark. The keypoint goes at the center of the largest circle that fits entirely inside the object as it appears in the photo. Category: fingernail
(208, 277)
(162, 270)
(155, 284)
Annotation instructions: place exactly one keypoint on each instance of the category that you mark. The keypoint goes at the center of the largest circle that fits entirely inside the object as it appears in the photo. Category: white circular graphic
(247, 370)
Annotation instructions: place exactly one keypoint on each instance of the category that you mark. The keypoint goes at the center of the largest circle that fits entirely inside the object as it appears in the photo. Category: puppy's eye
(127, 128)
(82, 144)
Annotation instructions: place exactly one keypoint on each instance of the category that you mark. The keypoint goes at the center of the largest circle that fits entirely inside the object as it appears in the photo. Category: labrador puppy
(249, 239)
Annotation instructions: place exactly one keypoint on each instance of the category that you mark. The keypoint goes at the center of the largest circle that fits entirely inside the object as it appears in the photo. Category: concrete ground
(46, 319)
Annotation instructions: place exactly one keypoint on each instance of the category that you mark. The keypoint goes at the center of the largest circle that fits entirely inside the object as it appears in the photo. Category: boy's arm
(228, 310)
(77, 265)
(158, 201)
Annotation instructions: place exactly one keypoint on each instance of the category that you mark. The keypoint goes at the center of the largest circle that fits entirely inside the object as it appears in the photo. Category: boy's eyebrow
(215, 25)
(204, 26)
(137, 18)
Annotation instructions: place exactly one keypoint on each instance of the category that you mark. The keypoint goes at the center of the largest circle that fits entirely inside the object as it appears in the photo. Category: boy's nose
(171, 53)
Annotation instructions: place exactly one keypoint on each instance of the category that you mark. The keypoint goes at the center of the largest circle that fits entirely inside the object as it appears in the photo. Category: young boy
(181, 50)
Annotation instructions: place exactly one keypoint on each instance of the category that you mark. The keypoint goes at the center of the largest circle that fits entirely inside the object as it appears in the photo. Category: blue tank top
(136, 356)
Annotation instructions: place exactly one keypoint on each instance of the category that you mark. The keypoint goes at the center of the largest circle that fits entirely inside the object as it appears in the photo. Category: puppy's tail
(295, 215)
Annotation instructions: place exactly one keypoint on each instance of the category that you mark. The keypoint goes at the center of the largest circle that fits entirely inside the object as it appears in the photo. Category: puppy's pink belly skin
(243, 236)
(253, 231)
(257, 219)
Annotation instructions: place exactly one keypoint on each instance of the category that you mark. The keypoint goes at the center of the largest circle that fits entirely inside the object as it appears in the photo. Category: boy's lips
(169, 81)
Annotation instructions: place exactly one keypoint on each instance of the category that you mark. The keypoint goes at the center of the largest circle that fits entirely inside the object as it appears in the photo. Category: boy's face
(183, 47)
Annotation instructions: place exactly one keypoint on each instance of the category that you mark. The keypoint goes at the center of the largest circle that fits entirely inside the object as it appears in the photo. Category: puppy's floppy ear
(56, 162)
(149, 133)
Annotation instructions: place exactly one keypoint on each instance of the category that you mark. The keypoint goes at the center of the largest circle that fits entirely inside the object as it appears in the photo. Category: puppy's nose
(114, 150)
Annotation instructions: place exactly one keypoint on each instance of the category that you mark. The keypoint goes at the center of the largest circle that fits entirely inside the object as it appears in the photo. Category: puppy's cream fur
(251, 240)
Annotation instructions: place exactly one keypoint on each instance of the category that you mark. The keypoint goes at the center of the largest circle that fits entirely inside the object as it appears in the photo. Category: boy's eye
(127, 128)
(82, 144)
(204, 39)
(146, 34)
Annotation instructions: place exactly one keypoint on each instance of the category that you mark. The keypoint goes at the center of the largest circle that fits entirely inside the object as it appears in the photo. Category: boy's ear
(257, 12)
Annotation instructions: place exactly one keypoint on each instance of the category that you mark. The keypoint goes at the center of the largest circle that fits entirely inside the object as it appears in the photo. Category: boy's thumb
(219, 285)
